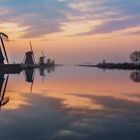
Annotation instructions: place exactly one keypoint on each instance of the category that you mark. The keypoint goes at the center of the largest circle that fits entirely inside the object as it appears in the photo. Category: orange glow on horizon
(72, 90)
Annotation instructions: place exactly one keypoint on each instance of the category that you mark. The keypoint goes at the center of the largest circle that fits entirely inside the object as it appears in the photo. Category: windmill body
(29, 59)
(42, 59)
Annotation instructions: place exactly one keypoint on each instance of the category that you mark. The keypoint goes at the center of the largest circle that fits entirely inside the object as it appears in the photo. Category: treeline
(134, 64)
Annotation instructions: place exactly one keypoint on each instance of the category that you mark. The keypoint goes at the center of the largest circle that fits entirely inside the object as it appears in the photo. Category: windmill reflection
(29, 77)
(3, 85)
(29, 74)
(50, 69)
(42, 72)
(135, 76)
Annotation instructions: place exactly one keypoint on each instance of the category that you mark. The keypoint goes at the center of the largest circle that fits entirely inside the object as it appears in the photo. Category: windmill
(29, 59)
(2, 57)
(41, 59)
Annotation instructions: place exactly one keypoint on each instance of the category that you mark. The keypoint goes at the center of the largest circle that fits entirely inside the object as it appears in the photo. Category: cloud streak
(46, 17)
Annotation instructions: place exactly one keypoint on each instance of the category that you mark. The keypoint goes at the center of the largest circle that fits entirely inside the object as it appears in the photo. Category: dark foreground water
(71, 103)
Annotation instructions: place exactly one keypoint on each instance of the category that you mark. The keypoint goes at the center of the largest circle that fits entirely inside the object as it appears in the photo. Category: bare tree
(135, 57)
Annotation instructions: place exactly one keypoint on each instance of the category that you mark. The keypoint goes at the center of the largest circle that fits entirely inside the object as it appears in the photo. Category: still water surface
(72, 103)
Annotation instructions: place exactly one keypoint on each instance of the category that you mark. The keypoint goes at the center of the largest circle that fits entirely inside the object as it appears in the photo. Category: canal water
(71, 103)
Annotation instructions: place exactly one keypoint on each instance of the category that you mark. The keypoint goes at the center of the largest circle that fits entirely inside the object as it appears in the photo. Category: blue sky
(41, 17)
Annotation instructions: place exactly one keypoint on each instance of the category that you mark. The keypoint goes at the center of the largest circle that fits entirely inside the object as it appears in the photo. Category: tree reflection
(135, 76)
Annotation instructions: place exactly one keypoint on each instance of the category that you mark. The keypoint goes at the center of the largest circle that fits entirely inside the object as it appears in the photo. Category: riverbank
(123, 66)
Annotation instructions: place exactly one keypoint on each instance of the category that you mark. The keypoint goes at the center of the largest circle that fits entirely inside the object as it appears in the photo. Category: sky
(72, 31)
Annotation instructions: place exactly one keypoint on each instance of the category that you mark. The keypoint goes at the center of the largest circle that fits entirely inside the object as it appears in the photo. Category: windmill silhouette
(29, 58)
(3, 49)
(42, 59)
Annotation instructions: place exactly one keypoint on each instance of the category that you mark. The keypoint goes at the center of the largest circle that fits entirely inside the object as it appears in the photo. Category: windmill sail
(31, 86)
(5, 37)
(4, 100)
(32, 51)
(1, 57)
(4, 50)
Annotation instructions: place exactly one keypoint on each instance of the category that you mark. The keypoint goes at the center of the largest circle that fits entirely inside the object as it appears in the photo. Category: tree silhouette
(135, 57)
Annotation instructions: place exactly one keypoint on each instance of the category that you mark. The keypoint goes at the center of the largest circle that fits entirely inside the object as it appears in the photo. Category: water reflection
(50, 69)
(29, 75)
(42, 71)
(74, 103)
(135, 76)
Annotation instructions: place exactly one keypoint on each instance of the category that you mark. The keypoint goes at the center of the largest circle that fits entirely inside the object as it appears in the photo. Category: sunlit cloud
(41, 18)
(71, 28)
(13, 29)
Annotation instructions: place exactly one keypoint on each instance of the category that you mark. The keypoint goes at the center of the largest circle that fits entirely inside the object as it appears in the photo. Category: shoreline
(119, 66)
